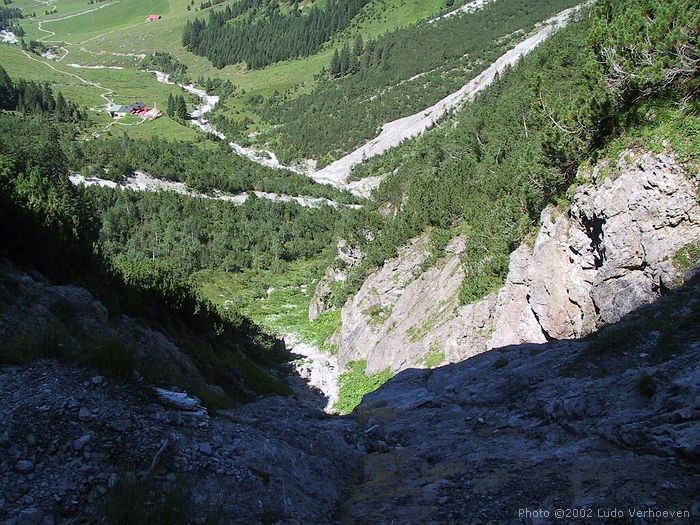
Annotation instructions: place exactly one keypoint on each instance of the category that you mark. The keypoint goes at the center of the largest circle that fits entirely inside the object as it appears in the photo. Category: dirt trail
(72, 15)
(106, 92)
(393, 133)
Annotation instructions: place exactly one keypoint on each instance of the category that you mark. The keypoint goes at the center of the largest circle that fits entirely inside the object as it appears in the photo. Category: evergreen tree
(7, 91)
(62, 109)
(345, 61)
(181, 108)
(335, 65)
(358, 46)
(170, 111)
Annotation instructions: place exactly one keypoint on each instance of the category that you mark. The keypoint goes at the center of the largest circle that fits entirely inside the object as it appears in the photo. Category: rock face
(347, 257)
(611, 252)
(555, 425)
(564, 424)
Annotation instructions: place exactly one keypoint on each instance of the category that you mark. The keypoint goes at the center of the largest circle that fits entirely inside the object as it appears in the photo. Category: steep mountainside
(612, 423)
(611, 251)
(503, 328)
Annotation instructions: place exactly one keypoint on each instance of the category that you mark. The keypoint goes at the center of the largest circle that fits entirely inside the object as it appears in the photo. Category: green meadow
(115, 29)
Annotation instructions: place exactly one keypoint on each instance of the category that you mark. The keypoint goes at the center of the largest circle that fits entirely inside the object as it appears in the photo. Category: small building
(118, 111)
(152, 18)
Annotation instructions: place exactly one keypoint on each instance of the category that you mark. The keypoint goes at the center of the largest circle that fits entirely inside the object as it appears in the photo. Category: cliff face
(562, 424)
(609, 253)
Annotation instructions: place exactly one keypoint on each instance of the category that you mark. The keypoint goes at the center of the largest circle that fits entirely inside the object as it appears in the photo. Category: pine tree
(62, 109)
(345, 61)
(170, 111)
(335, 65)
(7, 91)
(358, 46)
(181, 108)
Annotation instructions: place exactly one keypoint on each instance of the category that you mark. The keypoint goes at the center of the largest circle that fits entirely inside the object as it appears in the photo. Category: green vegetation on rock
(354, 384)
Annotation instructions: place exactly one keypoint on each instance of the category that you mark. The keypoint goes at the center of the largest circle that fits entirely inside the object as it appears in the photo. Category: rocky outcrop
(76, 447)
(564, 424)
(614, 250)
(347, 257)
(40, 318)
(32, 309)
(611, 252)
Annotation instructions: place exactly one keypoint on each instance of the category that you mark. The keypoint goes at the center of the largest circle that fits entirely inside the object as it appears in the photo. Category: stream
(140, 181)
(266, 158)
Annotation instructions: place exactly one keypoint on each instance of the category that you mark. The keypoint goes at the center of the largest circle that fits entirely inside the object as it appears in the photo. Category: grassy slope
(119, 28)
(284, 309)
(128, 85)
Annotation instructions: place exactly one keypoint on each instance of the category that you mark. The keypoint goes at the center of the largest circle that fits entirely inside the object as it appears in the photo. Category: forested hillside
(488, 171)
(259, 32)
(50, 226)
(32, 97)
(396, 75)
(205, 166)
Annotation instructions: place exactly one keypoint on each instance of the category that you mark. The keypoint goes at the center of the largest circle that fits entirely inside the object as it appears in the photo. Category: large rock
(613, 251)
(514, 319)
(590, 265)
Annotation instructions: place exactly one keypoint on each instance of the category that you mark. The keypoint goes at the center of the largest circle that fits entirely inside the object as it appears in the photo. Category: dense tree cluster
(167, 63)
(8, 15)
(259, 32)
(57, 224)
(204, 167)
(516, 148)
(32, 97)
(668, 55)
(190, 234)
(374, 81)
(50, 225)
(177, 107)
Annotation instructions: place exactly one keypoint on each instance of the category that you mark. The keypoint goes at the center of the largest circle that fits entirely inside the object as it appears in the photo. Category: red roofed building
(152, 18)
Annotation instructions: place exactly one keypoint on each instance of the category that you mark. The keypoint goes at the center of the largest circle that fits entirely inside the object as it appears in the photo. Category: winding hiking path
(72, 15)
(393, 133)
(106, 92)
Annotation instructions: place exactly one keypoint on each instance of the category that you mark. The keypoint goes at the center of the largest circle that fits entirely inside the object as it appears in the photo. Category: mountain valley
(374, 261)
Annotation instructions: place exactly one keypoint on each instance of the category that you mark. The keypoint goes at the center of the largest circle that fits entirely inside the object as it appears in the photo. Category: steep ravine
(613, 423)
(560, 425)
(609, 253)
(395, 132)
